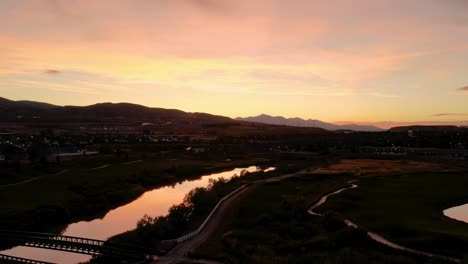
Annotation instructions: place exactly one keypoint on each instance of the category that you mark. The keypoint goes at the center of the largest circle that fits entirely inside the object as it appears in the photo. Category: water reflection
(459, 213)
(154, 203)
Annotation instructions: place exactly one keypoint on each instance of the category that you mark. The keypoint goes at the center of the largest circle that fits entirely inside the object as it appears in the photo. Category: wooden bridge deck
(80, 245)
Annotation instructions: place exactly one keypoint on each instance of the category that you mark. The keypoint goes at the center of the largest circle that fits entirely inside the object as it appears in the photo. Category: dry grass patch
(371, 167)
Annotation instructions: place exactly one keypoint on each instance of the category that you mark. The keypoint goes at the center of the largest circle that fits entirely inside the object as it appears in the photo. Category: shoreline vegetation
(400, 199)
(408, 210)
(54, 201)
(189, 214)
(260, 232)
(274, 207)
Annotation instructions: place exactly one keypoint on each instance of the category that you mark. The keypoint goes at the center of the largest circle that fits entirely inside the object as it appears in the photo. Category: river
(154, 203)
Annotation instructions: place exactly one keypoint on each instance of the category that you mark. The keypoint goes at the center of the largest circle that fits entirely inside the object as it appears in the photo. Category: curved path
(100, 167)
(131, 162)
(324, 198)
(62, 172)
(374, 236)
(179, 252)
(33, 179)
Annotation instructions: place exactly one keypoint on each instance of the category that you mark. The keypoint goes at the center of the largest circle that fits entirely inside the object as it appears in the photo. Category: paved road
(179, 253)
(190, 245)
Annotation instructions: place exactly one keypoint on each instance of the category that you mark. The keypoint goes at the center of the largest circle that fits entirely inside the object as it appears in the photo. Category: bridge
(80, 245)
(11, 259)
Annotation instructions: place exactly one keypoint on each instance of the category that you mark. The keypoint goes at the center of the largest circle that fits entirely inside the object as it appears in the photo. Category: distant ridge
(24, 105)
(34, 117)
(298, 122)
(419, 128)
(13, 111)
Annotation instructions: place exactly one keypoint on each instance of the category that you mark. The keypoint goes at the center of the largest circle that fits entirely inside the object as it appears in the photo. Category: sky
(364, 61)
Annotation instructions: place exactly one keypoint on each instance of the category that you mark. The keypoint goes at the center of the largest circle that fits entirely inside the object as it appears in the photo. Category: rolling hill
(26, 116)
(14, 111)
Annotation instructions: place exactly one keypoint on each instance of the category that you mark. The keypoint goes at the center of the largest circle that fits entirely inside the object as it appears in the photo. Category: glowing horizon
(365, 61)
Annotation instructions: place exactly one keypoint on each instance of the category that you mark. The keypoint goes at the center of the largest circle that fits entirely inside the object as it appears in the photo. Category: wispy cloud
(390, 124)
(52, 72)
(450, 114)
(357, 59)
(384, 95)
(463, 89)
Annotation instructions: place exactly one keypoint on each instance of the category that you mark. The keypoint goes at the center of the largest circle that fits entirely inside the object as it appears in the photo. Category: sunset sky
(346, 60)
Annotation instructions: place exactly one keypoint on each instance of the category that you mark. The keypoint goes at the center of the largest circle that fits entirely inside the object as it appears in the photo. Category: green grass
(11, 175)
(204, 202)
(407, 209)
(82, 193)
(270, 225)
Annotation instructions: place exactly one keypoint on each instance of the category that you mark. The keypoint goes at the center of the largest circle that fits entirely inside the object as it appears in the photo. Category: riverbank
(271, 226)
(196, 206)
(267, 226)
(376, 237)
(84, 194)
(408, 210)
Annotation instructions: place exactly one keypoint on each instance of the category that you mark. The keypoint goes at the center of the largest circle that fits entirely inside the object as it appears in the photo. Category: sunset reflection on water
(458, 212)
(154, 203)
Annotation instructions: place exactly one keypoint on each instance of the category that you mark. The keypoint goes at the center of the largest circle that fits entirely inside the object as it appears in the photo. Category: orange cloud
(463, 89)
(376, 54)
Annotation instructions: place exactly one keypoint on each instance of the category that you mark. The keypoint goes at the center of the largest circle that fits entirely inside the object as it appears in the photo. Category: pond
(459, 213)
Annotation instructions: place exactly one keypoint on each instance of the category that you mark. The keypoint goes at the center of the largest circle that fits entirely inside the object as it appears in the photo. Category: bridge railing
(220, 202)
(12, 259)
(207, 219)
(74, 244)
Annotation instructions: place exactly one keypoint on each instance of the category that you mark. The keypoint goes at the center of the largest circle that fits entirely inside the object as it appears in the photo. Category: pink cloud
(372, 49)
(463, 89)
(390, 124)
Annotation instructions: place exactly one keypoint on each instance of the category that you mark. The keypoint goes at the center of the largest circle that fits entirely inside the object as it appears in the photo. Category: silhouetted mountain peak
(299, 122)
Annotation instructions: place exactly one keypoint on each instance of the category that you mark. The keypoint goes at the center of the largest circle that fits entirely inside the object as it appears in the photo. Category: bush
(333, 221)
(351, 236)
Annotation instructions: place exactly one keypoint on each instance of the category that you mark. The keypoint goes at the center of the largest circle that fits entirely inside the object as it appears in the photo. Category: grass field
(271, 226)
(382, 167)
(81, 192)
(407, 209)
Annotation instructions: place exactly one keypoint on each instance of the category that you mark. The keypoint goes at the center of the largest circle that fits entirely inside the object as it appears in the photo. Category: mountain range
(14, 111)
(298, 122)
(30, 112)
(30, 117)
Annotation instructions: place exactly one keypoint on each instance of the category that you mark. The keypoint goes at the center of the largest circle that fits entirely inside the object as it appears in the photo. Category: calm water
(459, 213)
(154, 203)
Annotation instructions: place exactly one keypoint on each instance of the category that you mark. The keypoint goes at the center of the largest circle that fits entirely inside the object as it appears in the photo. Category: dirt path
(62, 172)
(131, 162)
(374, 236)
(179, 253)
(100, 167)
(33, 179)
